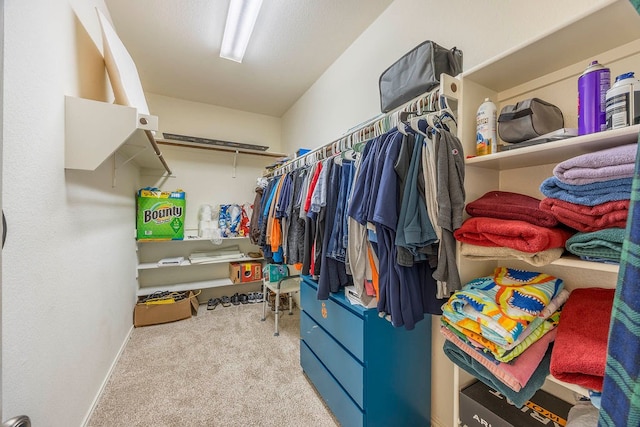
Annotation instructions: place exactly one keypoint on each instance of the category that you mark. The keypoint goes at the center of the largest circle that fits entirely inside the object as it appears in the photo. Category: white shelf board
(556, 151)
(575, 262)
(560, 47)
(186, 144)
(573, 387)
(190, 286)
(94, 130)
(189, 238)
(186, 263)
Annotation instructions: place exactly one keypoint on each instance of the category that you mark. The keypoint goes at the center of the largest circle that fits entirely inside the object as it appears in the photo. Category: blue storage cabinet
(368, 372)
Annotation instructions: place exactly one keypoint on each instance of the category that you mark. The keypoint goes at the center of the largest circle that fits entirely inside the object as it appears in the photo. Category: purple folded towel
(603, 165)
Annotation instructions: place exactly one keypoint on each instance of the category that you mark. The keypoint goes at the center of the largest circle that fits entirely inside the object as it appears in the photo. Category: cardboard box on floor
(153, 314)
(242, 272)
(480, 405)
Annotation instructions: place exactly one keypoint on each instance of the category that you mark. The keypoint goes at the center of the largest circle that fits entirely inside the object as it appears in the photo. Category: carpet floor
(222, 367)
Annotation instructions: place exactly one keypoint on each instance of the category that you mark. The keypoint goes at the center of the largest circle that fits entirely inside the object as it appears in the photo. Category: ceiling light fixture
(241, 19)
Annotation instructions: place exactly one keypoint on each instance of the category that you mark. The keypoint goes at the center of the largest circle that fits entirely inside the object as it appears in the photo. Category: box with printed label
(275, 272)
(481, 406)
(242, 272)
(160, 214)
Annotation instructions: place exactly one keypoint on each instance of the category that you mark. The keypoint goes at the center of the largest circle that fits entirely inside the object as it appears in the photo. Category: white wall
(68, 266)
(347, 93)
(210, 121)
(208, 176)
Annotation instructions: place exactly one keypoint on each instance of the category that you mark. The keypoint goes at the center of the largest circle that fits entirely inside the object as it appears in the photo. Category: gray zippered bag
(417, 72)
(528, 119)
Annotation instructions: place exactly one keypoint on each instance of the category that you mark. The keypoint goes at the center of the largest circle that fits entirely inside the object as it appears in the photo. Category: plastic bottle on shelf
(486, 135)
(623, 102)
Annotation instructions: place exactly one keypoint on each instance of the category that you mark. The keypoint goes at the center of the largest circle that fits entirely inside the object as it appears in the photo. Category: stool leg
(264, 301)
(277, 303)
(290, 304)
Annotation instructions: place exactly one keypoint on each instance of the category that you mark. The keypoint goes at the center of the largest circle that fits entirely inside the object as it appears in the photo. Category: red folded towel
(507, 205)
(588, 218)
(580, 351)
(520, 235)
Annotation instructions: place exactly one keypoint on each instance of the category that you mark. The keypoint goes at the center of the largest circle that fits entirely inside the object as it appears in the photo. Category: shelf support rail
(235, 163)
(154, 144)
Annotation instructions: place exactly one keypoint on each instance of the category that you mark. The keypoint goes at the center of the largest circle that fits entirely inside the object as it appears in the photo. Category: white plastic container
(486, 128)
(623, 102)
(205, 223)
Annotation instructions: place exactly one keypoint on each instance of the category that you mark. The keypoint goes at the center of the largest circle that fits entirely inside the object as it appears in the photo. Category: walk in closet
(75, 155)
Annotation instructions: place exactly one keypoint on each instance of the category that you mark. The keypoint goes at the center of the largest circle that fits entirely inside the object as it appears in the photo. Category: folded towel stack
(590, 193)
(511, 206)
(499, 328)
(588, 218)
(598, 166)
(580, 351)
(506, 225)
(603, 245)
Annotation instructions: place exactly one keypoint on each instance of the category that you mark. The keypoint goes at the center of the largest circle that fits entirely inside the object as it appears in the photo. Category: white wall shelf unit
(184, 144)
(186, 263)
(556, 151)
(547, 67)
(187, 276)
(95, 130)
(191, 235)
(203, 284)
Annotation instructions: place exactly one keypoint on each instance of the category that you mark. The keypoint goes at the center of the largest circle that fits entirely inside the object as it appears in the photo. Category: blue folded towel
(587, 194)
(475, 368)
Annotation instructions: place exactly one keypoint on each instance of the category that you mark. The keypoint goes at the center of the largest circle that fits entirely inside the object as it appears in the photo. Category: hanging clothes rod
(376, 126)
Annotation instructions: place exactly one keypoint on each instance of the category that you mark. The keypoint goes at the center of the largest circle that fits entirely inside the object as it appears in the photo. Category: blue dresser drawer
(341, 405)
(342, 365)
(339, 321)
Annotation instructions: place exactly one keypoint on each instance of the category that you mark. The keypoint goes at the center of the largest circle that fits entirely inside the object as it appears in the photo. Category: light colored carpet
(221, 368)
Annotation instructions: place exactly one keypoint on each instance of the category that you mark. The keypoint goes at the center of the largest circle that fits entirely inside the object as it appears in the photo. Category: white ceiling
(175, 45)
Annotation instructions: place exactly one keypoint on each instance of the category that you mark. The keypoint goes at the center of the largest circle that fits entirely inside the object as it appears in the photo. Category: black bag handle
(505, 117)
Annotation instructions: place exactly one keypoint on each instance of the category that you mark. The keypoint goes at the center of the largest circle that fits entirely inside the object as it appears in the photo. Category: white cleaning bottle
(486, 135)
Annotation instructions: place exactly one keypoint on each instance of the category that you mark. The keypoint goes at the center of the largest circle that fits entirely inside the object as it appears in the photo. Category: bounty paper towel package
(160, 214)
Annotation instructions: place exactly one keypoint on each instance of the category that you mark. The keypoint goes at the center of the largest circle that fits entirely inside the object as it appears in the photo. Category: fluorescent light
(241, 19)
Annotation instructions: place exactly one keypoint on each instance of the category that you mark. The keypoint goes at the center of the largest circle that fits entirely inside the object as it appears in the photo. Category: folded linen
(588, 194)
(588, 218)
(473, 367)
(502, 305)
(518, 235)
(580, 352)
(516, 374)
(605, 244)
(483, 253)
(507, 353)
(504, 353)
(603, 165)
(507, 205)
